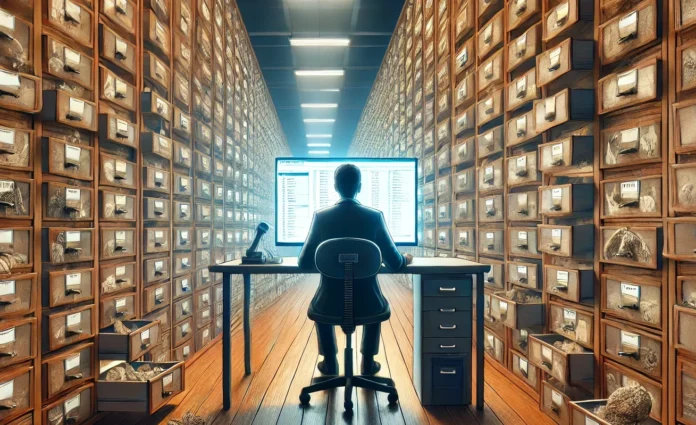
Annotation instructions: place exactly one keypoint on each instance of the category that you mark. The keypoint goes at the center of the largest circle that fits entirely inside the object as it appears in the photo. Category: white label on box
(630, 136)
(491, 340)
(184, 234)
(162, 106)
(556, 233)
(522, 199)
(7, 336)
(184, 284)
(159, 234)
(557, 150)
(7, 390)
(522, 85)
(7, 136)
(121, 87)
(629, 190)
(627, 78)
(121, 303)
(72, 362)
(159, 175)
(628, 20)
(145, 335)
(76, 106)
(7, 21)
(490, 203)
(120, 270)
(630, 290)
(72, 236)
(186, 350)
(159, 292)
(490, 235)
(205, 273)
(72, 153)
(121, 126)
(159, 204)
(185, 307)
(556, 398)
(488, 171)
(562, 277)
(120, 236)
(561, 11)
(9, 79)
(521, 123)
(556, 194)
(71, 404)
(522, 236)
(73, 10)
(121, 46)
(546, 353)
(73, 319)
(184, 122)
(7, 287)
(167, 380)
(522, 270)
(522, 162)
(206, 333)
(524, 365)
(206, 313)
(72, 194)
(630, 339)
(73, 279)
(569, 314)
(71, 56)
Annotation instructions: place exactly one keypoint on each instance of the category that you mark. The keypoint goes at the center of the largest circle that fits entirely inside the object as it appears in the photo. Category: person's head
(347, 180)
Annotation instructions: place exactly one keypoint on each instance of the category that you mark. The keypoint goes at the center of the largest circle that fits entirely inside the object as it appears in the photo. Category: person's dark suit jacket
(349, 219)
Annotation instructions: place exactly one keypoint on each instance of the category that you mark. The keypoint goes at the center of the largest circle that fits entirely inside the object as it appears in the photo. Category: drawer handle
(8, 301)
(447, 310)
(73, 291)
(555, 409)
(523, 212)
(73, 332)
(145, 346)
(119, 177)
(448, 327)
(7, 93)
(522, 280)
(523, 246)
(447, 289)
(560, 288)
(71, 210)
(448, 372)
(120, 248)
(630, 204)
(167, 393)
(626, 151)
(120, 211)
(629, 307)
(547, 365)
(635, 355)
(73, 250)
(522, 173)
(159, 273)
(569, 327)
(522, 343)
(8, 405)
(448, 346)
(71, 420)
(159, 301)
(6, 204)
(555, 247)
(121, 280)
(556, 208)
(120, 313)
(524, 373)
(8, 354)
(73, 377)
(3, 34)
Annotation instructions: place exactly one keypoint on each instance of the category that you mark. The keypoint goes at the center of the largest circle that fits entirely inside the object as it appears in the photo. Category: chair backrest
(348, 259)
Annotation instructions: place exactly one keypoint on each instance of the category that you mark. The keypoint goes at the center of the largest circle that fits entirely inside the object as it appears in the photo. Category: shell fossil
(12, 52)
(646, 203)
(626, 244)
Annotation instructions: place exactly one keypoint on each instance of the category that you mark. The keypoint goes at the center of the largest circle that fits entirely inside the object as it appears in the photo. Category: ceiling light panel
(319, 105)
(319, 136)
(319, 120)
(320, 42)
(320, 73)
(318, 145)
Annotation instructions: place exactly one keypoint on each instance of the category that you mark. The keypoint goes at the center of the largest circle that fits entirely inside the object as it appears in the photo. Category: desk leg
(226, 341)
(479, 341)
(247, 325)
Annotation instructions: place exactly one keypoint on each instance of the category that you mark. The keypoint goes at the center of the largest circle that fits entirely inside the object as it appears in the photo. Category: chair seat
(359, 320)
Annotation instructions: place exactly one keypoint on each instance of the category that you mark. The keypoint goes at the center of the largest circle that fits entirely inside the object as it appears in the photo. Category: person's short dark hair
(347, 180)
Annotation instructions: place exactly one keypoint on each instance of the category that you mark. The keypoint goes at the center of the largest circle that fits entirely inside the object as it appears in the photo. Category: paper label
(7, 336)
(7, 287)
(556, 194)
(570, 315)
(73, 319)
(72, 153)
(522, 162)
(121, 126)
(73, 10)
(121, 47)
(159, 265)
(630, 290)
(546, 354)
(159, 234)
(72, 236)
(521, 123)
(186, 351)
(120, 270)
(7, 390)
(167, 380)
(556, 233)
(72, 194)
(7, 136)
(630, 190)
(121, 88)
(523, 365)
(562, 277)
(522, 270)
(7, 21)
(72, 404)
(556, 398)
(205, 313)
(629, 136)
(184, 285)
(490, 236)
(561, 13)
(490, 203)
(522, 200)
(73, 279)
(522, 236)
(72, 58)
(72, 362)
(557, 150)
(628, 20)
(630, 339)
(76, 106)
(120, 303)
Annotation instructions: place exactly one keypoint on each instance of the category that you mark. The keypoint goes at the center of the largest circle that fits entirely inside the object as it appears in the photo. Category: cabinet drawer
(683, 176)
(523, 242)
(156, 269)
(116, 49)
(20, 38)
(203, 337)
(464, 121)
(490, 36)
(490, 176)
(156, 240)
(463, 59)
(203, 164)
(443, 77)
(633, 246)
(182, 51)
(492, 325)
(17, 341)
(634, 300)
(182, 185)
(464, 211)
(183, 352)
(202, 276)
(447, 287)
(203, 190)
(117, 242)
(59, 106)
(494, 346)
(70, 203)
(495, 278)
(617, 376)
(444, 213)
(183, 262)
(464, 21)
(490, 241)
(70, 287)
(623, 35)
(640, 197)
(182, 155)
(446, 345)
(566, 17)
(556, 398)
(182, 18)
(156, 33)
(444, 188)
(636, 144)
(517, 315)
(522, 369)
(156, 296)
(156, 209)
(161, 352)
(163, 316)
(68, 245)
(633, 348)
(67, 370)
(686, 384)
(114, 89)
(633, 87)
(204, 317)
(466, 240)
(575, 368)
(73, 408)
(18, 295)
(490, 142)
(16, 148)
(117, 130)
(68, 327)
(522, 90)
(574, 324)
(155, 70)
(522, 170)
(123, 17)
(16, 198)
(116, 206)
(119, 307)
(685, 76)
(182, 128)
(182, 212)
(72, 19)
(116, 171)
(182, 286)
(570, 284)
(566, 105)
(182, 239)
(183, 331)
(562, 62)
(203, 136)
(489, 108)
(115, 278)
(183, 309)
(520, 11)
(66, 63)
(526, 274)
(491, 209)
(465, 92)
(520, 129)
(464, 182)
(141, 396)
(157, 145)
(522, 206)
(152, 103)
(566, 241)
(491, 71)
(444, 238)
(524, 47)
(19, 385)
(566, 199)
(566, 155)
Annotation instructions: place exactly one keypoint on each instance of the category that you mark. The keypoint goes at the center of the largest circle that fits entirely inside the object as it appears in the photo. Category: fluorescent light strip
(320, 73)
(330, 90)
(320, 42)
(319, 105)
(317, 120)
(318, 152)
(318, 145)
(319, 136)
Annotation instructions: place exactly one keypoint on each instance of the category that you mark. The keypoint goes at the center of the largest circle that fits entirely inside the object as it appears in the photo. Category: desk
(435, 267)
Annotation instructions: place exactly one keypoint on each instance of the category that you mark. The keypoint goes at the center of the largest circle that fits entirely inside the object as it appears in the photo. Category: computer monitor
(305, 185)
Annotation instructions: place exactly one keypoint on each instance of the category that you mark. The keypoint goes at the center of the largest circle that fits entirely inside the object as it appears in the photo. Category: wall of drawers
(125, 172)
(555, 145)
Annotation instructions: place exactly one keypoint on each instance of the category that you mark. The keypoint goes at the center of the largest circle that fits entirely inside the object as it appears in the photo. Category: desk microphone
(261, 230)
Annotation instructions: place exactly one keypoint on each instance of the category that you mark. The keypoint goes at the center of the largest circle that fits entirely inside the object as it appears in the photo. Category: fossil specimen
(627, 406)
(522, 296)
(649, 311)
(120, 328)
(126, 372)
(12, 53)
(188, 419)
(569, 346)
(9, 260)
(646, 201)
(626, 244)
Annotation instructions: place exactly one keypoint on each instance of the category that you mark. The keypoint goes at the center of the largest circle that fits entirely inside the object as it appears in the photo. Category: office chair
(350, 260)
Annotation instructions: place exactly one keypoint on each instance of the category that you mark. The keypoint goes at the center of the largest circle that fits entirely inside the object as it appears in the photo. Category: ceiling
(367, 23)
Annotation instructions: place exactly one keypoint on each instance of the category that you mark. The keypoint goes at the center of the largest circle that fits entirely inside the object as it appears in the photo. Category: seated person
(348, 218)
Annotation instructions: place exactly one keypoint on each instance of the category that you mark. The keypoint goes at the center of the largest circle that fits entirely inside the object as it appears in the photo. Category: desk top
(434, 265)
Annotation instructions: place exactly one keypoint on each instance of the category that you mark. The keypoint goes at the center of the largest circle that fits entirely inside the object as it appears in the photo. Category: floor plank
(284, 359)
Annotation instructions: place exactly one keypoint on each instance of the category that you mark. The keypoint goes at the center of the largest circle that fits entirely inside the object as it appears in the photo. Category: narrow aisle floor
(284, 360)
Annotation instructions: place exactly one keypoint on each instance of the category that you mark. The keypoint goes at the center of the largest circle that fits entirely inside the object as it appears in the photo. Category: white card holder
(488, 106)
(71, 61)
(7, 140)
(628, 27)
(629, 141)
(521, 88)
(72, 13)
(521, 46)
(76, 109)
(627, 83)
(555, 59)
(562, 14)
(521, 126)
(629, 345)
(550, 108)
(7, 25)
(520, 6)
(488, 34)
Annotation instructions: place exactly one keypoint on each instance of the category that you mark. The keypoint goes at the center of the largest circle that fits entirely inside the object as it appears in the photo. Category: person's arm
(306, 258)
(391, 256)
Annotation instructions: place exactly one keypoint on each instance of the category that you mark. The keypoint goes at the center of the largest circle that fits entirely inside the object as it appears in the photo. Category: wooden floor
(284, 360)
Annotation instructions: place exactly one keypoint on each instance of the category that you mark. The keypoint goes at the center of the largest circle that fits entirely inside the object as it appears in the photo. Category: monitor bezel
(345, 159)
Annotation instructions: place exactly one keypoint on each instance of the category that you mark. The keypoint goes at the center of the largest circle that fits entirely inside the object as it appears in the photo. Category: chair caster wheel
(393, 398)
(304, 399)
(348, 405)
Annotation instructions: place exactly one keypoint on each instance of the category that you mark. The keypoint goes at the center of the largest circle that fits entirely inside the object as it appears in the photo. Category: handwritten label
(7, 336)
(7, 287)
(570, 315)
(73, 319)
(7, 136)
(120, 270)
(562, 277)
(120, 303)
(72, 236)
(630, 290)
(630, 190)
(120, 236)
(73, 279)
(556, 398)
(7, 390)
(76, 106)
(7, 21)
(72, 362)
(72, 404)
(522, 236)
(522, 270)
(630, 339)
